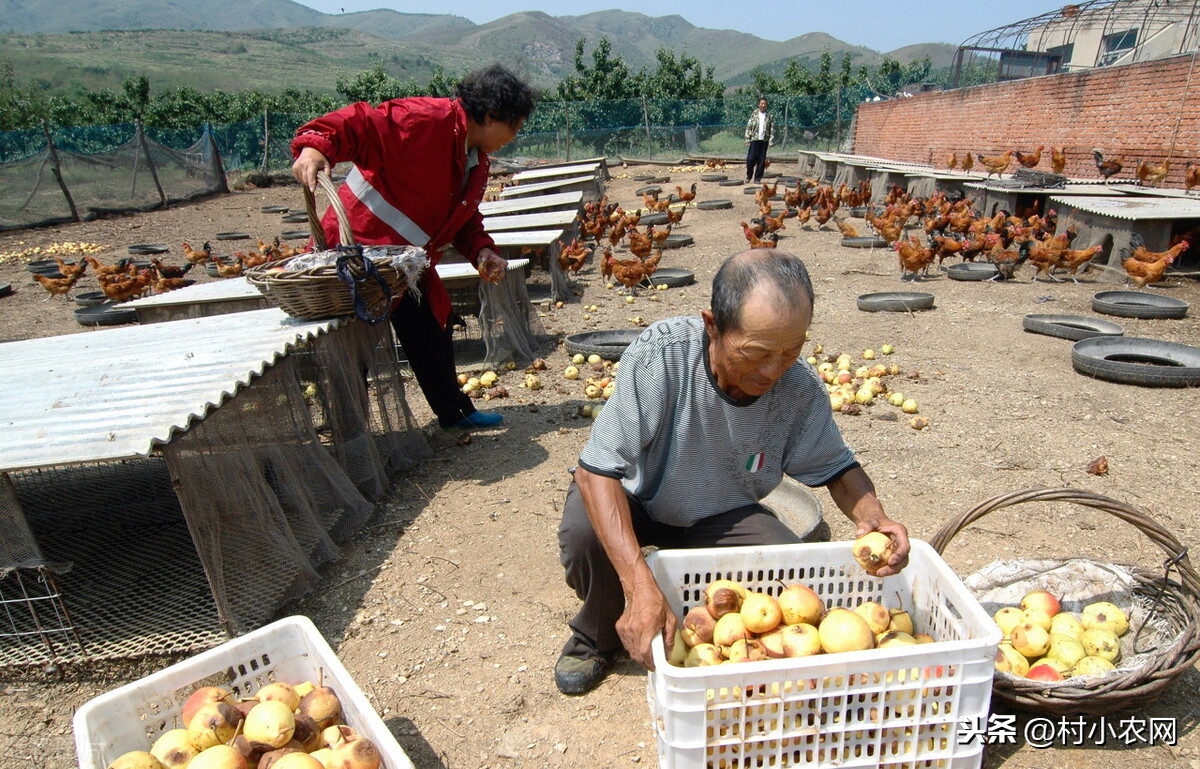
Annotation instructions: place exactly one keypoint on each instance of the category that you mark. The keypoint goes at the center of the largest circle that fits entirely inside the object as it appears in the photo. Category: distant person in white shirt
(760, 134)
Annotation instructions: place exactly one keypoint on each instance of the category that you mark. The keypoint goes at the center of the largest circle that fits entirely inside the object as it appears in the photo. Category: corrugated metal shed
(1073, 190)
(118, 393)
(210, 291)
(1133, 208)
(553, 172)
(535, 188)
(1153, 192)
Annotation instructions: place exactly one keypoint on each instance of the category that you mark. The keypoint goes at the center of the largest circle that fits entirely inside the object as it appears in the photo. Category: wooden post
(266, 142)
(162, 196)
(54, 166)
(646, 116)
(567, 118)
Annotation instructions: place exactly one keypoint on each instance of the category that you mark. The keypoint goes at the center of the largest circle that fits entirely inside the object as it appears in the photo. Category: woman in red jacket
(420, 171)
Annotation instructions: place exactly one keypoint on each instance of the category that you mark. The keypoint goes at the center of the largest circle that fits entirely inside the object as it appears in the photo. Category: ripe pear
(1066, 624)
(279, 692)
(1044, 672)
(1057, 664)
(723, 596)
(678, 653)
(702, 655)
(923, 638)
(894, 638)
(1008, 618)
(1029, 639)
(1067, 649)
(1093, 666)
(747, 650)
(219, 757)
(356, 752)
(297, 760)
(307, 733)
(842, 631)
(213, 724)
(270, 723)
(872, 550)
(698, 626)
(136, 759)
(729, 629)
(323, 705)
(1100, 642)
(205, 695)
(1010, 660)
(304, 687)
(878, 618)
(174, 749)
(1036, 617)
(802, 640)
(901, 620)
(800, 604)
(272, 757)
(1105, 615)
(322, 755)
(772, 643)
(760, 612)
(1043, 600)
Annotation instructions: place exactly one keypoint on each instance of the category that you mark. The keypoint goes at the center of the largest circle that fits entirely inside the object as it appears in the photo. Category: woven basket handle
(314, 222)
(1164, 539)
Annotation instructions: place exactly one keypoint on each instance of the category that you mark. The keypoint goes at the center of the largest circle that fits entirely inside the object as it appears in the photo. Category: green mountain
(271, 44)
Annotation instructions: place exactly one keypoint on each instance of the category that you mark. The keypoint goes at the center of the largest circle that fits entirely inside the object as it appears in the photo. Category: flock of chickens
(952, 229)
(123, 280)
(1145, 172)
(607, 221)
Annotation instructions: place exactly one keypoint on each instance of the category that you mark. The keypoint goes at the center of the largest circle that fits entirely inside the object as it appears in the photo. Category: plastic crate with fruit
(291, 650)
(915, 705)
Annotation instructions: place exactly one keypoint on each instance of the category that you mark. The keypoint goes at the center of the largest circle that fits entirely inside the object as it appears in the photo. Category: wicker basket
(1176, 602)
(318, 292)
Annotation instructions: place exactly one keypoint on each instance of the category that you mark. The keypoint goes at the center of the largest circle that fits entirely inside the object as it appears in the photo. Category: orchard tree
(606, 78)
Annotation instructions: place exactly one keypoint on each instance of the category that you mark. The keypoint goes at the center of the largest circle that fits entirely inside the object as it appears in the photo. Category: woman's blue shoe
(477, 420)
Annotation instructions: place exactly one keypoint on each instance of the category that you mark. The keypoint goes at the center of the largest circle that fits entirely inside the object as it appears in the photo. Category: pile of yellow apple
(852, 388)
(739, 625)
(281, 727)
(598, 387)
(1043, 643)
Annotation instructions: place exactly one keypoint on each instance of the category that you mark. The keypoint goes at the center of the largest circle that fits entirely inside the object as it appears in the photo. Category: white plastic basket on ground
(291, 650)
(919, 705)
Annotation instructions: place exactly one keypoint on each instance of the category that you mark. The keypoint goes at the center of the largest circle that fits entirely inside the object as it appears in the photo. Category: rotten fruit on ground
(873, 550)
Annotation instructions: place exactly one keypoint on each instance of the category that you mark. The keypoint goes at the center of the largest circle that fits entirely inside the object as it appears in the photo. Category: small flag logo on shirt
(755, 462)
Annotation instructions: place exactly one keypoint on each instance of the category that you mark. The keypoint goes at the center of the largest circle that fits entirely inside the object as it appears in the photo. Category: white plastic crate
(291, 650)
(882, 707)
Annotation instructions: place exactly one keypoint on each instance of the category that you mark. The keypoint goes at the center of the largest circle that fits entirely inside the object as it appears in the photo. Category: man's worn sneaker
(476, 420)
(579, 675)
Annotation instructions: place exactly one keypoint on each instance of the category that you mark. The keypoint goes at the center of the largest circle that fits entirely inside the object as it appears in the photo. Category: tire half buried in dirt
(5, 289)
(147, 249)
(895, 301)
(714, 205)
(105, 315)
(90, 298)
(234, 235)
(713, 177)
(671, 277)
(865, 241)
(1146, 362)
(676, 241)
(1138, 304)
(972, 271)
(1073, 327)
(609, 345)
(656, 218)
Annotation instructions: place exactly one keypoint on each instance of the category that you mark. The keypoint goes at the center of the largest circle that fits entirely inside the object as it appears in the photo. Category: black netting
(138, 174)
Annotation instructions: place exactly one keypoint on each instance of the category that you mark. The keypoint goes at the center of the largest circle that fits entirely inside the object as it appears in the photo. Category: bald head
(781, 279)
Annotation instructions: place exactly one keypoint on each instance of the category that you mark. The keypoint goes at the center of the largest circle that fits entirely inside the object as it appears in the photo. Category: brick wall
(1133, 111)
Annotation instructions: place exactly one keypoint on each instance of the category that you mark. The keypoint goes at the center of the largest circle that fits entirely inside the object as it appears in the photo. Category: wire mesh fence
(74, 172)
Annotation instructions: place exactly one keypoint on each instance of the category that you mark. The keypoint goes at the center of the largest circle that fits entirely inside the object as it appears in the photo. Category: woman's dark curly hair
(496, 93)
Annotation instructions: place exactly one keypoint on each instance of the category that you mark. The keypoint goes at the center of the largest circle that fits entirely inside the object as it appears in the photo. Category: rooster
(686, 197)
(1107, 168)
(170, 272)
(913, 256)
(57, 286)
(197, 257)
(70, 270)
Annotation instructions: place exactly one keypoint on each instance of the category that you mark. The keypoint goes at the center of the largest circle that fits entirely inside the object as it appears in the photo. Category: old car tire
(1146, 362)
(895, 301)
(1138, 304)
(609, 345)
(1073, 327)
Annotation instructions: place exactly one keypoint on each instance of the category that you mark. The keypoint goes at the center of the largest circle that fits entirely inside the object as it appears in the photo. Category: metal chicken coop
(1098, 33)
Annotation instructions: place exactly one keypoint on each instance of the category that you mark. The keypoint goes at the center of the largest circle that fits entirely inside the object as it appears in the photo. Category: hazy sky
(883, 26)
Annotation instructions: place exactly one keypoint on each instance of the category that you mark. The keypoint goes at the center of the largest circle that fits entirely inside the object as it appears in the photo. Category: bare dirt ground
(450, 608)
